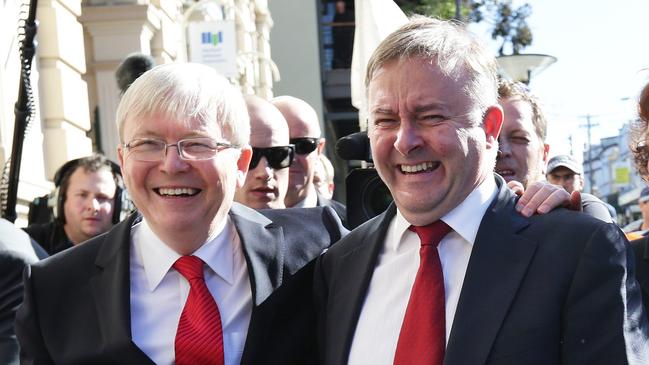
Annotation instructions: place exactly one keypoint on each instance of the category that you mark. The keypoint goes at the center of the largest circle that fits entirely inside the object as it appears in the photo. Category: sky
(602, 51)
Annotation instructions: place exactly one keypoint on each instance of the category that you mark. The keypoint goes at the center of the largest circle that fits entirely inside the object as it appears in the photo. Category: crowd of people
(237, 253)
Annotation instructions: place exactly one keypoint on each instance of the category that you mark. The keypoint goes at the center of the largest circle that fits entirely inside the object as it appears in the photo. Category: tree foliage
(508, 23)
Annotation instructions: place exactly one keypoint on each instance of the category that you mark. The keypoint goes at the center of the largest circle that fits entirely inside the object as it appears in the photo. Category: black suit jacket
(337, 206)
(77, 309)
(552, 289)
(641, 249)
(15, 255)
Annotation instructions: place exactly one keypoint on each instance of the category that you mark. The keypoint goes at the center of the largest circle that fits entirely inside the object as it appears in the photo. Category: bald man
(267, 179)
(305, 133)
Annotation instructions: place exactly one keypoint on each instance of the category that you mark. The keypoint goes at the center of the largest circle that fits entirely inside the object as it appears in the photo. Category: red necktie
(422, 339)
(199, 338)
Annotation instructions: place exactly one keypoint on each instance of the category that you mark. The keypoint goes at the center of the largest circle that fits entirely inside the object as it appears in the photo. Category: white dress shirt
(159, 292)
(379, 324)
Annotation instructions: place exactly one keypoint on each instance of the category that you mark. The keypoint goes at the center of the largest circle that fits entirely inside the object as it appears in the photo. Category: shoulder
(594, 207)
(39, 231)
(79, 262)
(370, 233)
(641, 250)
(313, 222)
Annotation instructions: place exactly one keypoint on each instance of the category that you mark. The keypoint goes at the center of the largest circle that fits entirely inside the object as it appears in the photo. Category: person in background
(192, 277)
(564, 171)
(522, 151)
(451, 273)
(323, 177)
(639, 228)
(88, 200)
(639, 146)
(267, 179)
(343, 35)
(305, 133)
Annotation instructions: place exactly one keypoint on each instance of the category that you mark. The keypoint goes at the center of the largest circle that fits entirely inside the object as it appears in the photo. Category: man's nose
(172, 162)
(263, 169)
(408, 138)
(504, 149)
(93, 204)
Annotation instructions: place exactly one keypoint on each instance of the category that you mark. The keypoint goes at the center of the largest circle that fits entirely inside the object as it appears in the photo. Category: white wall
(295, 48)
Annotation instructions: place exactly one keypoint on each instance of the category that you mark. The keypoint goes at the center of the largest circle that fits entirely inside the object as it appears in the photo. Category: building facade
(80, 45)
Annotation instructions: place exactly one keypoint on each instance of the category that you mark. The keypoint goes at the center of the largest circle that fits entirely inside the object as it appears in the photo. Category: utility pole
(591, 176)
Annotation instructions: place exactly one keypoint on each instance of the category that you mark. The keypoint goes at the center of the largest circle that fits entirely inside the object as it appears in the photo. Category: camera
(367, 195)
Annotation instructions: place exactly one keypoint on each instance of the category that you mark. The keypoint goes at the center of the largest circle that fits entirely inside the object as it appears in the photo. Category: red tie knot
(431, 234)
(191, 267)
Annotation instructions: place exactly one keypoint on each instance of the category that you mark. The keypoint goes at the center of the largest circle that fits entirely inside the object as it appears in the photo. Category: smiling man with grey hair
(191, 277)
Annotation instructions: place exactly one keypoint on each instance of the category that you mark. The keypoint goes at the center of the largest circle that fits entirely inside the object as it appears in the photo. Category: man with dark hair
(87, 190)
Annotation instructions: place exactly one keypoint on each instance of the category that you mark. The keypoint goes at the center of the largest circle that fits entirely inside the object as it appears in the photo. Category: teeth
(178, 191)
(417, 168)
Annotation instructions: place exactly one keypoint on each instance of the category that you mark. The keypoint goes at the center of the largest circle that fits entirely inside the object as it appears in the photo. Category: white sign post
(214, 44)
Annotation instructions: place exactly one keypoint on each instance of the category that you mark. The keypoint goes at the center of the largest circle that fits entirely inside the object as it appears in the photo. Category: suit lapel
(354, 273)
(111, 290)
(498, 263)
(263, 246)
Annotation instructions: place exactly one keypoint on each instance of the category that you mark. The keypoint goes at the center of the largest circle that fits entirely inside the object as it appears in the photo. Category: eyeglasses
(279, 157)
(304, 145)
(192, 149)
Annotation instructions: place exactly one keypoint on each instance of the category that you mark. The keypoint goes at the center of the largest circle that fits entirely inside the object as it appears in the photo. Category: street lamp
(521, 67)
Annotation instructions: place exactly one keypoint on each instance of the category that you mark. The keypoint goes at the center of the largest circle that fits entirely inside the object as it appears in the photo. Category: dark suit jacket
(77, 310)
(338, 207)
(15, 255)
(551, 289)
(641, 249)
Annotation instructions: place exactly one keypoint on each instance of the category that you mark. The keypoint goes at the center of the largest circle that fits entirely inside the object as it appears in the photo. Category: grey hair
(187, 91)
(456, 51)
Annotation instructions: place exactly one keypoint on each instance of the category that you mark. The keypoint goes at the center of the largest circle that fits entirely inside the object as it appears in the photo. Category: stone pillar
(114, 32)
(64, 96)
(264, 23)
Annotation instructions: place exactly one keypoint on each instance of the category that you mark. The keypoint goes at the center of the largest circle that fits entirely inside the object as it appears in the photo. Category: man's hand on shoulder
(541, 197)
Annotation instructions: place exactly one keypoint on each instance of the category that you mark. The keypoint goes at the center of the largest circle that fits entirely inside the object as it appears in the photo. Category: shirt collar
(310, 201)
(465, 218)
(157, 257)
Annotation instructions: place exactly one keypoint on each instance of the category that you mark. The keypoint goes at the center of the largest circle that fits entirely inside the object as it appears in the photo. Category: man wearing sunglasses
(304, 129)
(267, 179)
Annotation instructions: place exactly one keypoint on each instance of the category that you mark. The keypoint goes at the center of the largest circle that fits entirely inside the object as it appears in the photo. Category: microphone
(355, 146)
(132, 67)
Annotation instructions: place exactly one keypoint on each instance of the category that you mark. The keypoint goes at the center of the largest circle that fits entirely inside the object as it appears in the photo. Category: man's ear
(546, 153)
(242, 164)
(321, 145)
(491, 123)
(120, 156)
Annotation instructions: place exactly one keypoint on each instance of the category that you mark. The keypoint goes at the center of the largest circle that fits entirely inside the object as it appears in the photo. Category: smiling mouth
(176, 191)
(505, 172)
(419, 168)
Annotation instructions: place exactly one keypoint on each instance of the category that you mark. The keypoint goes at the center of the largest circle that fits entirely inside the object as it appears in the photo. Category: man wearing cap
(638, 229)
(565, 171)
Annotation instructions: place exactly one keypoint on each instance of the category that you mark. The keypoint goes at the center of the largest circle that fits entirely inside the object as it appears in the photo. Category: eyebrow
(417, 110)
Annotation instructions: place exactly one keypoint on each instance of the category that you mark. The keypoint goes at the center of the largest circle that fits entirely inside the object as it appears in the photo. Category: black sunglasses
(278, 157)
(304, 145)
